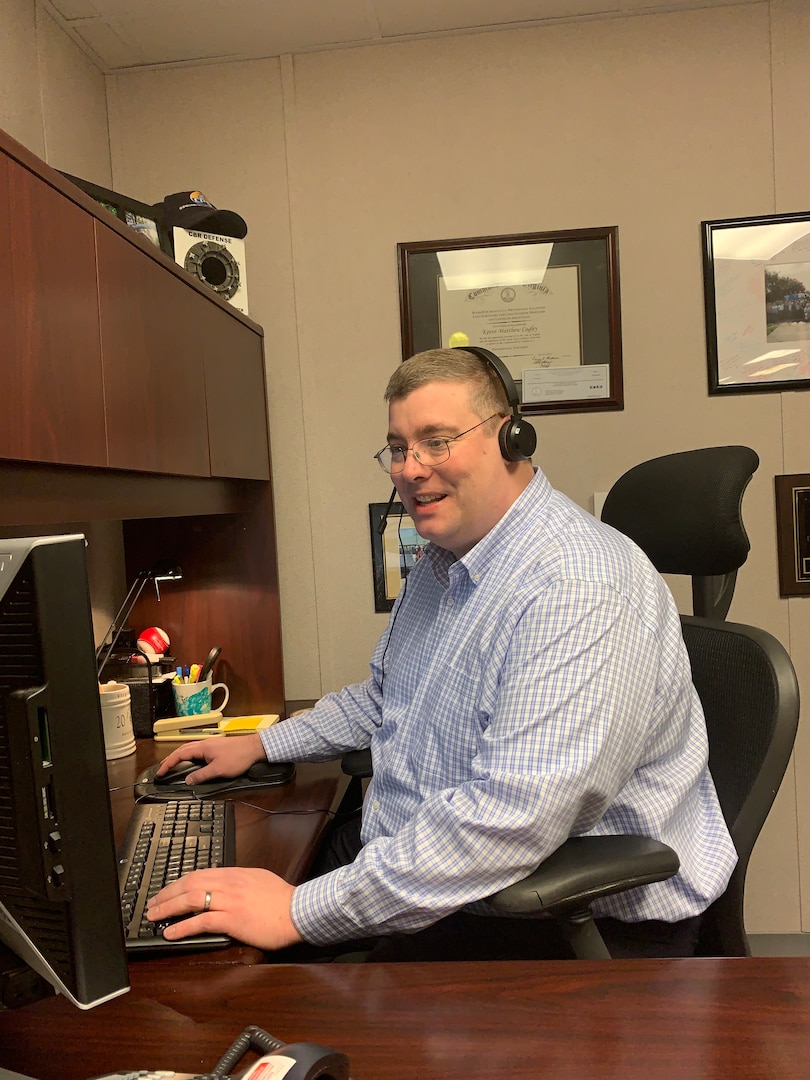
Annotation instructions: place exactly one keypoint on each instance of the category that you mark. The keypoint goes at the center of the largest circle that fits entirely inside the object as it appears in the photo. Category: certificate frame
(583, 313)
(393, 552)
(757, 318)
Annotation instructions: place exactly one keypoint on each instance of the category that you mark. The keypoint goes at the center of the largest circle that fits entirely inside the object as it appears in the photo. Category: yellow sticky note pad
(232, 725)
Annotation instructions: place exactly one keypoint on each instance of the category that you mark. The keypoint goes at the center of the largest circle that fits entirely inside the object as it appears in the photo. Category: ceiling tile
(107, 44)
(194, 30)
(399, 17)
(74, 9)
(132, 33)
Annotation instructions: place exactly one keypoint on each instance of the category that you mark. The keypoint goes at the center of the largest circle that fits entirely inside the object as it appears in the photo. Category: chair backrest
(750, 696)
(684, 511)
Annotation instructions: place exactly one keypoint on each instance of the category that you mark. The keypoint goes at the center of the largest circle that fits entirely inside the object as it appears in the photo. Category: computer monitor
(60, 909)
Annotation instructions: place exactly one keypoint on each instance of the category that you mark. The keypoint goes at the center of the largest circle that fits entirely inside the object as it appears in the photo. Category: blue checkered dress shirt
(535, 689)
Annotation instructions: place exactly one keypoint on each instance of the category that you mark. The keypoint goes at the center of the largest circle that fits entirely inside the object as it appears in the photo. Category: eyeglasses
(428, 452)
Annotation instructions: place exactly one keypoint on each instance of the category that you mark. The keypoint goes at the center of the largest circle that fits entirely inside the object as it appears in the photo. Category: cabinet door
(51, 403)
(235, 393)
(152, 345)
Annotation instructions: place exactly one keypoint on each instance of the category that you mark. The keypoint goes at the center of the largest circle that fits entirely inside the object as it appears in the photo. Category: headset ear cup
(517, 439)
(503, 439)
(525, 438)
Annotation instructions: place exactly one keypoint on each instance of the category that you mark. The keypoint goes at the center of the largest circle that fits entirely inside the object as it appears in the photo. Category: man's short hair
(487, 394)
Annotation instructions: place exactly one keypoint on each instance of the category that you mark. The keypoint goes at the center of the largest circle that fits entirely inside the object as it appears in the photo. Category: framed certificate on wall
(546, 303)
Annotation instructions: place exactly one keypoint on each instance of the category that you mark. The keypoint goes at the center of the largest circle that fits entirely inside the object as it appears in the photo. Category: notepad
(206, 725)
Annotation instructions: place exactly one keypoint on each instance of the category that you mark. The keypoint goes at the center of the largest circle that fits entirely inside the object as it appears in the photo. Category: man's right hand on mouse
(221, 756)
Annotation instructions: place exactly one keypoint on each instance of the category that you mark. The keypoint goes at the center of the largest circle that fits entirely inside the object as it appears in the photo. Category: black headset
(516, 438)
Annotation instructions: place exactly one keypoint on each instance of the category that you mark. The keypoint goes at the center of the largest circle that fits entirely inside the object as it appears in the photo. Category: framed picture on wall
(756, 276)
(393, 552)
(793, 533)
(546, 303)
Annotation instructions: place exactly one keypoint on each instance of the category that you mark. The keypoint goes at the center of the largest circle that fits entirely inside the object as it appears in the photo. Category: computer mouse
(177, 774)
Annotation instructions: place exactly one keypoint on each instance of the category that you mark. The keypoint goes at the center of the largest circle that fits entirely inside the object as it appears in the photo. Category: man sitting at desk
(532, 684)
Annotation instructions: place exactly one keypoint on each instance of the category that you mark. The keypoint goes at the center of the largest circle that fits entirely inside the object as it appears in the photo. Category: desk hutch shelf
(132, 393)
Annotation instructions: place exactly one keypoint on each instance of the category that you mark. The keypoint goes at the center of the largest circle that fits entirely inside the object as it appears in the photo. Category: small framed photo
(793, 533)
(756, 278)
(393, 552)
(144, 219)
(546, 303)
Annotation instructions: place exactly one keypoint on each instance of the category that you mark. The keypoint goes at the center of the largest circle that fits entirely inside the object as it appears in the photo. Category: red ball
(153, 641)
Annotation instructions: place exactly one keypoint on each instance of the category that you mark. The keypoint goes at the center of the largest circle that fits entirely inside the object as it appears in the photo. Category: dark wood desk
(629, 1020)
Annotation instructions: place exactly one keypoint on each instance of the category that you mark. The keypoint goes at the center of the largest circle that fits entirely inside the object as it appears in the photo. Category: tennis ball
(458, 340)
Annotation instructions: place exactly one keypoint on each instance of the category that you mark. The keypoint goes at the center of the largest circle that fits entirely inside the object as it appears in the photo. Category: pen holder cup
(195, 699)
(116, 716)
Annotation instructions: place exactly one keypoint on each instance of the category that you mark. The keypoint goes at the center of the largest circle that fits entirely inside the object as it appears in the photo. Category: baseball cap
(191, 210)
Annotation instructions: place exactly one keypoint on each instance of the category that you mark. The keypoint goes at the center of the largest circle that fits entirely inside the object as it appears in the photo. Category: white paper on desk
(566, 384)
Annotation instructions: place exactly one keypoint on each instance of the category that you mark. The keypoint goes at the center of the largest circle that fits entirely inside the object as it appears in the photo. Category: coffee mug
(194, 699)
(116, 715)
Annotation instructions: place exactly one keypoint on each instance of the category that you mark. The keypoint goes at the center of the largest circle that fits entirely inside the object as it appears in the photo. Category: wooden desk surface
(277, 828)
(744, 1019)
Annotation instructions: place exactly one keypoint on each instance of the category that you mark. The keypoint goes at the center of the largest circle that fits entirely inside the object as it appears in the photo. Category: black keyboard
(163, 841)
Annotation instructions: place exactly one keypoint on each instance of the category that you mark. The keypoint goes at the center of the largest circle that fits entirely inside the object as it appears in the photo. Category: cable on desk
(252, 1038)
(265, 810)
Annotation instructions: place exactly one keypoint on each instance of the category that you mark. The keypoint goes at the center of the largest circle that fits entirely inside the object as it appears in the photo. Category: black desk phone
(296, 1061)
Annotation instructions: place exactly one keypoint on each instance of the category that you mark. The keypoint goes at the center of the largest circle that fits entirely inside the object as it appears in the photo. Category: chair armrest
(357, 763)
(586, 868)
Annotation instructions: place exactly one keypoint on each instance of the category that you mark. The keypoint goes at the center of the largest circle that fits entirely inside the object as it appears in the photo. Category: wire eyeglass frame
(429, 452)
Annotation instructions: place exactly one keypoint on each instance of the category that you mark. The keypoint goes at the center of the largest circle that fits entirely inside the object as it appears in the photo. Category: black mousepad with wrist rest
(261, 775)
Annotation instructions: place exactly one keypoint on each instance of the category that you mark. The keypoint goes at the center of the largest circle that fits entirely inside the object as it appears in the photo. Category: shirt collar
(478, 559)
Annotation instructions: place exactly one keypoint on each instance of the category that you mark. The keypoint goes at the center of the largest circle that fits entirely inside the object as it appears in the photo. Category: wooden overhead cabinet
(129, 391)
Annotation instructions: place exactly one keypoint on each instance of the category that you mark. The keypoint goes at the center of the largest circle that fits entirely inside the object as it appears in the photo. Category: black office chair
(750, 696)
(684, 511)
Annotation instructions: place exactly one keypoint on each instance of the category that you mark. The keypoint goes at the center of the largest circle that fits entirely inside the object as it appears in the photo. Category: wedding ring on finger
(207, 904)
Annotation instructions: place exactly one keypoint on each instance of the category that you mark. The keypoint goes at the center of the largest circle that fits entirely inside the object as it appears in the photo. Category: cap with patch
(191, 210)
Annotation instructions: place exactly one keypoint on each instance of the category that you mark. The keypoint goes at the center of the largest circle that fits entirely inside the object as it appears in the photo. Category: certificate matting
(537, 300)
(534, 324)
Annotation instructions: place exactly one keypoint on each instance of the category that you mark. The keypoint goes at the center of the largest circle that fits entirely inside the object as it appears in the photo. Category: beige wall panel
(20, 104)
(74, 105)
(52, 99)
(791, 85)
(513, 132)
(797, 460)
(791, 88)
(800, 634)
(772, 891)
(220, 129)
